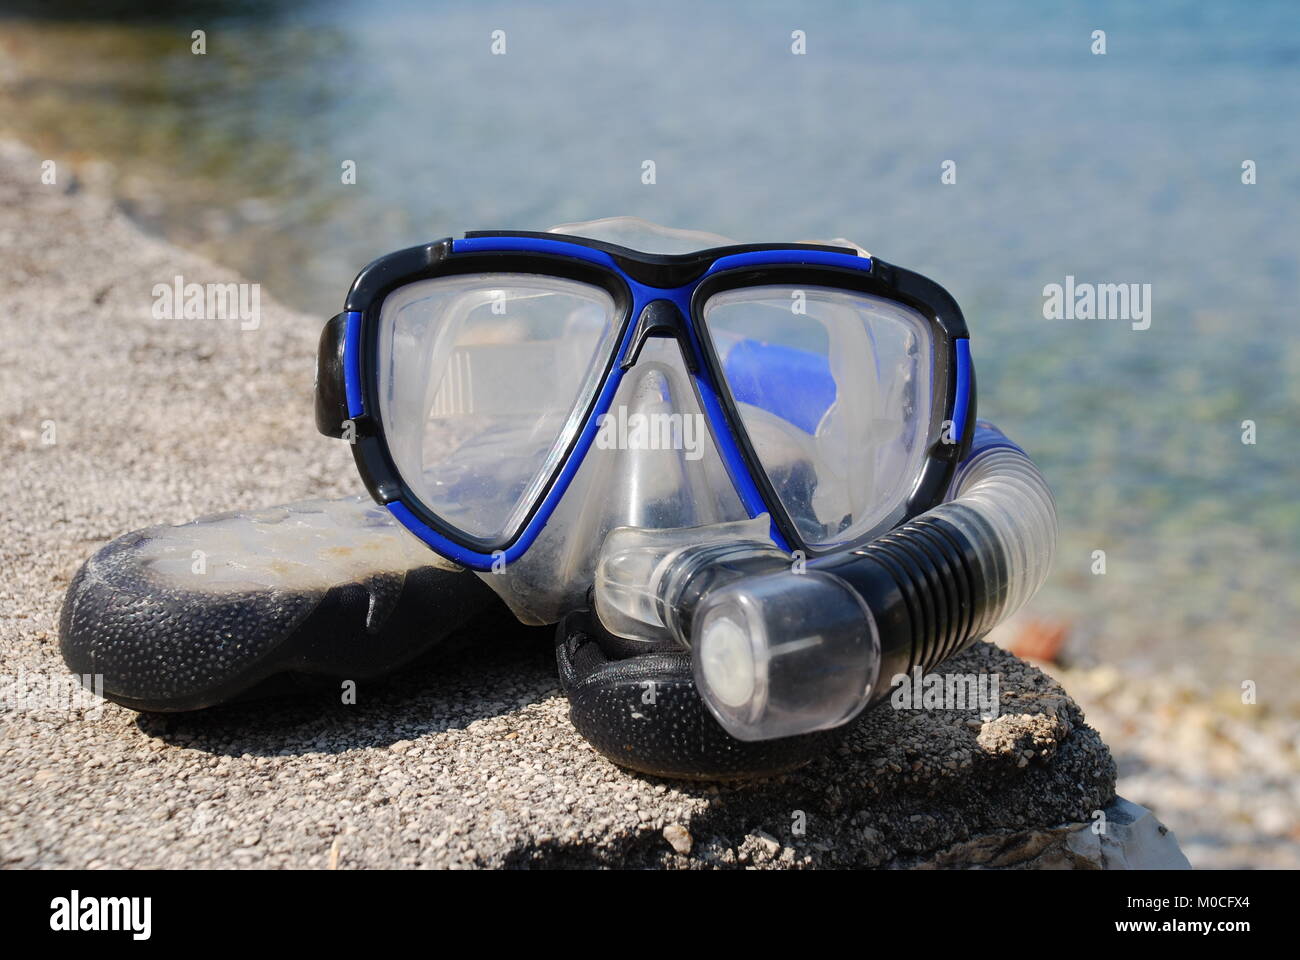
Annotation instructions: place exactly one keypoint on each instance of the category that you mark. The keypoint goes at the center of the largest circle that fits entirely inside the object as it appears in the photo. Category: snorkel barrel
(782, 648)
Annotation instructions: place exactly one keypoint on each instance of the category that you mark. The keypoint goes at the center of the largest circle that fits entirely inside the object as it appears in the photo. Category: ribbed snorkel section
(1003, 506)
(939, 582)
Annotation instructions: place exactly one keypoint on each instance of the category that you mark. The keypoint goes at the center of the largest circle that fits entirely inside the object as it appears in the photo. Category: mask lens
(483, 383)
(833, 389)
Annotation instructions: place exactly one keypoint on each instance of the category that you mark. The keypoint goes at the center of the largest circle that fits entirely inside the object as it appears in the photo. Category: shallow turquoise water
(1123, 168)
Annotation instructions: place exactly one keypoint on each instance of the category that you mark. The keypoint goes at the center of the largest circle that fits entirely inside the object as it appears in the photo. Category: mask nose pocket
(660, 435)
(652, 463)
(637, 704)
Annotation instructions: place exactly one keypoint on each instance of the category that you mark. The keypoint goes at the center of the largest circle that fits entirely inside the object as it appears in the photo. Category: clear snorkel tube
(781, 649)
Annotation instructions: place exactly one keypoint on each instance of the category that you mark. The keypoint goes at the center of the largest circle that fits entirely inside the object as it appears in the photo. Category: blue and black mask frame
(655, 295)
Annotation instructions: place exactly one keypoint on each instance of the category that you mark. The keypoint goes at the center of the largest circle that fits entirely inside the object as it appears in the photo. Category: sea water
(990, 146)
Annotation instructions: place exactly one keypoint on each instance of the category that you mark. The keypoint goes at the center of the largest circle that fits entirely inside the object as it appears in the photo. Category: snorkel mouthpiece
(784, 654)
(648, 581)
(780, 648)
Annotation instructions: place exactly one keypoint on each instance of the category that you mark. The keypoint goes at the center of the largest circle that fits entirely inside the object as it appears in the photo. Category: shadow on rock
(491, 668)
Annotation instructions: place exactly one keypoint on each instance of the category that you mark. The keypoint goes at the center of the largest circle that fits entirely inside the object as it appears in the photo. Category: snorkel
(782, 647)
(724, 608)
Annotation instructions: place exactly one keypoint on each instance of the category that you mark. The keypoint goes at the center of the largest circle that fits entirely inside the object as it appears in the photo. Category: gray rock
(1130, 838)
(1124, 837)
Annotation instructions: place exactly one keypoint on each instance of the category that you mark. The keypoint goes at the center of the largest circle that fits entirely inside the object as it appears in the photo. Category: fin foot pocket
(643, 712)
(189, 616)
